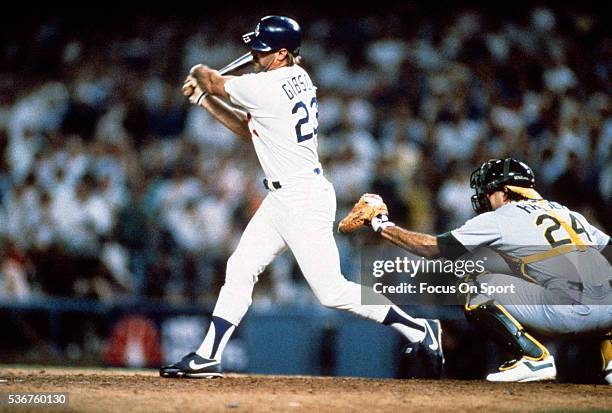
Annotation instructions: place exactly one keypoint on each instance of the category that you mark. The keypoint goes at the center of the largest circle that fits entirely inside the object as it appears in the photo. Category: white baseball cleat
(607, 373)
(525, 370)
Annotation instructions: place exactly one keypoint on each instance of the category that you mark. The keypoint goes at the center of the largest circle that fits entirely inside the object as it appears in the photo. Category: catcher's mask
(501, 175)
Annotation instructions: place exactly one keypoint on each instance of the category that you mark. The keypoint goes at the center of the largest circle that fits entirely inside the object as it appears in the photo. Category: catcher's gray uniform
(566, 284)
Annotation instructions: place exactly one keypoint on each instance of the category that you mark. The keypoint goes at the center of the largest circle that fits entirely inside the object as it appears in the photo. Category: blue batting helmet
(274, 33)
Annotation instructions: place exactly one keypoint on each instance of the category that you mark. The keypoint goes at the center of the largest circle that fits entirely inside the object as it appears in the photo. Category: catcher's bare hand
(368, 207)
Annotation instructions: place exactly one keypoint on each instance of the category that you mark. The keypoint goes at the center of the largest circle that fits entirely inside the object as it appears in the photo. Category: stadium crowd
(112, 186)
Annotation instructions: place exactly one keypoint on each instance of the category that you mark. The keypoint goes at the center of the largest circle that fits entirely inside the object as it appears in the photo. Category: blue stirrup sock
(412, 328)
(218, 335)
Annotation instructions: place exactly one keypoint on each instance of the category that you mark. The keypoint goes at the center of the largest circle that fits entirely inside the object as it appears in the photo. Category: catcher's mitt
(368, 206)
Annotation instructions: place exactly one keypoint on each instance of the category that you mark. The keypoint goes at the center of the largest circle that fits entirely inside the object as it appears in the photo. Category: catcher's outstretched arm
(421, 244)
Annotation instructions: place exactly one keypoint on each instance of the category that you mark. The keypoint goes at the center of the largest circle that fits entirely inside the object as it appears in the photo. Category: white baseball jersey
(551, 244)
(282, 113)
(299, 216)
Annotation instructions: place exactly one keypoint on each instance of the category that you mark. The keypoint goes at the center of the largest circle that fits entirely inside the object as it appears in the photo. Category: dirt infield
(102, 390)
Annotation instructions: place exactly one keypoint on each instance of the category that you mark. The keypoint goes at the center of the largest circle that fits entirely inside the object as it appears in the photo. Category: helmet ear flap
(273, 33)
(480, 202)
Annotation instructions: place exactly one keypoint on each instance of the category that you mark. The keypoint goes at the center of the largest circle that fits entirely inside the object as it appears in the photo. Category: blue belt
(277, 185)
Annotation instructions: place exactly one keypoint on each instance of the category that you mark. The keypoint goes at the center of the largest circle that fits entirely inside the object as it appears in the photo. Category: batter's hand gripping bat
(189, 87)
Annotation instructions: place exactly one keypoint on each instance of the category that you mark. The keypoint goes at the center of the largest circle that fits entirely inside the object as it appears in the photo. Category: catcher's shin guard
(505, 330)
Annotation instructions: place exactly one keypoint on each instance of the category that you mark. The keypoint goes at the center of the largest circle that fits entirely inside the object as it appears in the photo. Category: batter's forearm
(210, 80)
(418, 243)
(232, 118)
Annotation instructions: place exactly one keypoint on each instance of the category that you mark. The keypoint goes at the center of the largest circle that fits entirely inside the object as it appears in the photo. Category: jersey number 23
(306, 126)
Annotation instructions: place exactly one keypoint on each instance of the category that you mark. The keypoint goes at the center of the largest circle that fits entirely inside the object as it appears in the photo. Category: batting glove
(381, 222)
(192, 91)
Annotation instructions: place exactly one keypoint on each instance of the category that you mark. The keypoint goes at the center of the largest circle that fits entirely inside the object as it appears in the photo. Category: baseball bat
(240, 62)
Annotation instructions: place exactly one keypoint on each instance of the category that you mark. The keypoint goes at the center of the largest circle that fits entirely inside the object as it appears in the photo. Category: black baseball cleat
(430, 349)
(193, 366)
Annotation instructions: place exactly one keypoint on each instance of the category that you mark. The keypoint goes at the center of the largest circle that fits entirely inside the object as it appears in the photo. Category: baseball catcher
(563, 281)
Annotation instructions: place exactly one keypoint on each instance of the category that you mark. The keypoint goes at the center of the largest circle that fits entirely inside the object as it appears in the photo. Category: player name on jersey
(297, 85)
(531, 206)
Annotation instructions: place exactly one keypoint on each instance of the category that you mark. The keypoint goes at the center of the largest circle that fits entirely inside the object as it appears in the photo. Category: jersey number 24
(306, 126)
(555, 225)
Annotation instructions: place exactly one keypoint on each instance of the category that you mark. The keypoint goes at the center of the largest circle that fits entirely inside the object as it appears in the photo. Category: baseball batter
(565, 284)
(276, 108)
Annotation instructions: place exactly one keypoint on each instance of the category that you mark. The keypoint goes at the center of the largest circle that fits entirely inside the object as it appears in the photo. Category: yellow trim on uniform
(545, 352)
(576, 240)
(528, 193)
(544, 255)
(577, 244)
(510, 367)
(469, 307)
(524, 273)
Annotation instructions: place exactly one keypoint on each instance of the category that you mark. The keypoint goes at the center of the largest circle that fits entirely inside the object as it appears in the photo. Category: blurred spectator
(111, 185)
(14, 283)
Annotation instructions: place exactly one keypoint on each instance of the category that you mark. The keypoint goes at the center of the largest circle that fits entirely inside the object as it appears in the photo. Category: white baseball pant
(299, 216)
